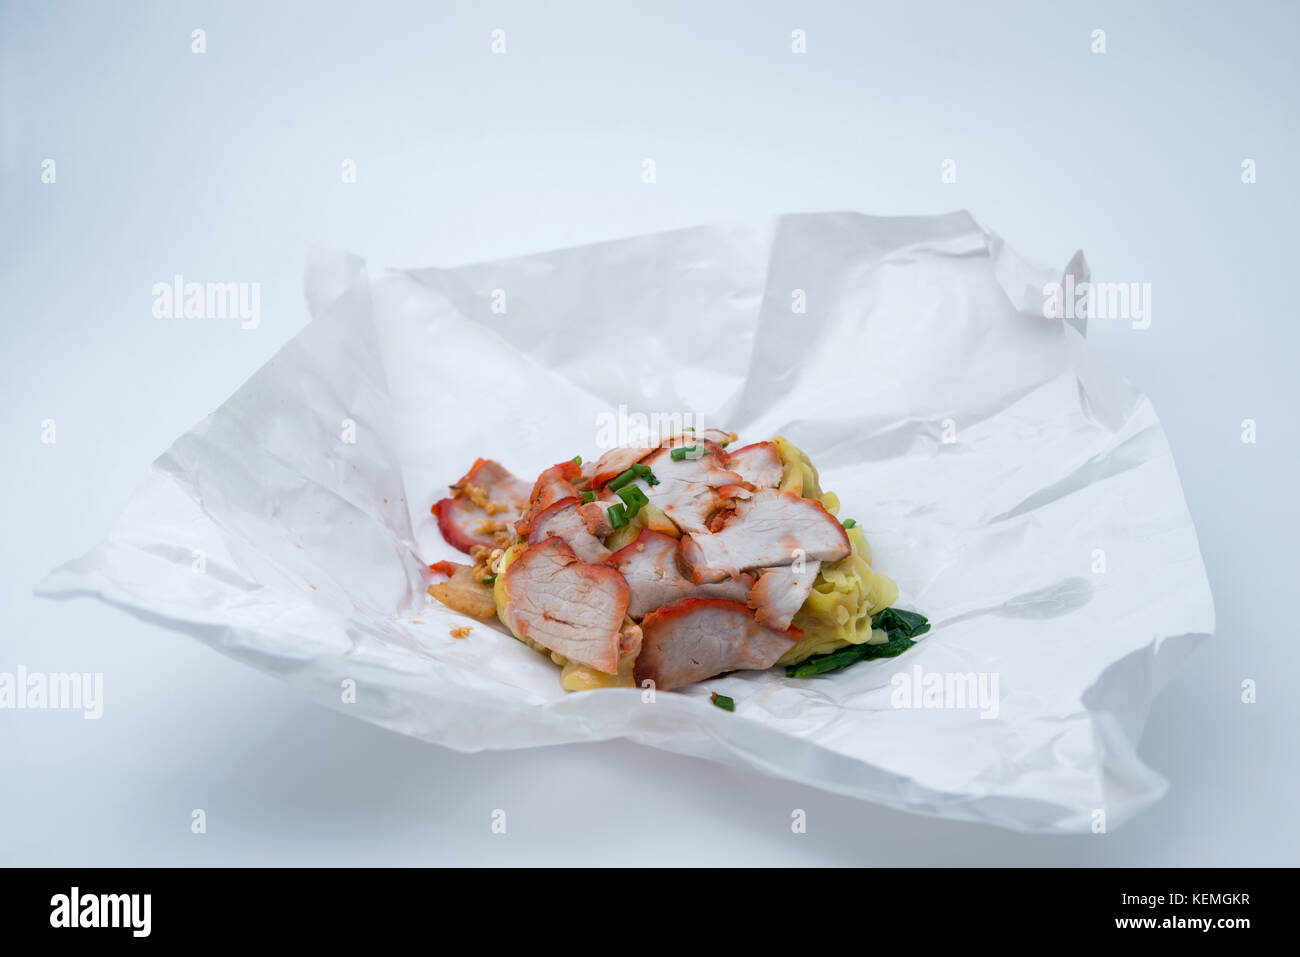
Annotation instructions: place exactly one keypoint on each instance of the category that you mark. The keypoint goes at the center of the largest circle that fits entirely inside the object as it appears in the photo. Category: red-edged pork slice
(689, 489)
(464, 525)
(596, 515)
(617, 461)
(650, 566)
(569, 606)
(717, 436)
(697, 638)
(567, 519)
(769, 528)
(552, 485)
(482, 505)
(780, 592)
(759, 464)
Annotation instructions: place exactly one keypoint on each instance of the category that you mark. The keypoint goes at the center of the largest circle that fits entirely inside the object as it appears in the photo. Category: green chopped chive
(617, 516)
(723, 702)
(637, 471)
(634, 497)
(850, 522)
(589, 496)
(686, 452)
(577, 460)
(620, 480)
(489, 580)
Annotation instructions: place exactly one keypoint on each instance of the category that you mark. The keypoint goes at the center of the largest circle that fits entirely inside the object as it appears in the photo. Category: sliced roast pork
(780, 592)
(577, 524)
(617, 461)
(567, 605)
(596, 515)
(697, 638)
(650, 566)
(759, 464)
(716, 436)
(481, 507)
(552, 485)
(769, 528)
(690, 489)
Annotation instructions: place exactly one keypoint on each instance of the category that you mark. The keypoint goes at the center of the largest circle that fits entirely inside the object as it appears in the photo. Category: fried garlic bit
(479, 496)
(499, 531)
(461, 632)
(485, 561)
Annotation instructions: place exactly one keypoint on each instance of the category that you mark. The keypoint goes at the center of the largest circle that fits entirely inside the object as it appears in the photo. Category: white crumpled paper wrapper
(313, 548)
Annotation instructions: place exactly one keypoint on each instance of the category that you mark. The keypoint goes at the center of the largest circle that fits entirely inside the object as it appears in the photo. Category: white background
(226, 166)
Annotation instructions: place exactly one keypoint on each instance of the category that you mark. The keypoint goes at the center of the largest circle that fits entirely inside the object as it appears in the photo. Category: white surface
(225, 166)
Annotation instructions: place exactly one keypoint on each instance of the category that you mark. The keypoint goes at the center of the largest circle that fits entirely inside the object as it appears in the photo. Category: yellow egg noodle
(846, 593)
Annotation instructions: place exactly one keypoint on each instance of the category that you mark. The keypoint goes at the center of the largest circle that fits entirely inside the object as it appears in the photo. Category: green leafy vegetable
(850, 522)
(908, 624)
(901, 627)
(577, 460)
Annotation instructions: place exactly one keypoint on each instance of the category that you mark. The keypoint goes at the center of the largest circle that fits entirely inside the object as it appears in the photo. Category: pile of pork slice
(714, 590)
